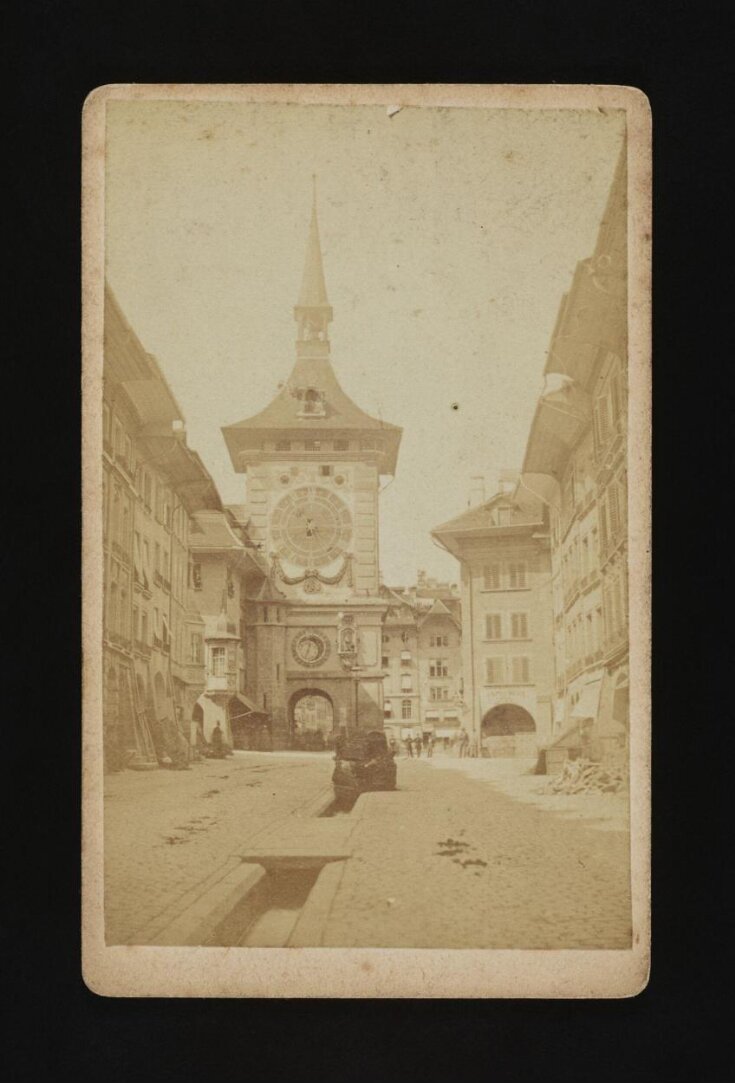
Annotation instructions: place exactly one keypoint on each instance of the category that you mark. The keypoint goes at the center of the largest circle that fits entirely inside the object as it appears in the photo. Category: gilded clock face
(311, 527)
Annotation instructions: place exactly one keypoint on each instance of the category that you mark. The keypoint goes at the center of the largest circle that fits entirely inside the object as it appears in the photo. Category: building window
(504, 516)
(439, 695)
(196, 648)
(519, 625)
(371, 445)
(386, 639)
(312, 445)
(491, 576)
(325, 471)
(438, 667)
(196, 576)
(406, 657)
(283, 445)
(521, 671)
(218, 661)
(439, 641)
(388, 709)
(406, 682)
(516, 576)
(494, 670)
(341, 445)
(493, 626)
(406, 708)
(384, 661)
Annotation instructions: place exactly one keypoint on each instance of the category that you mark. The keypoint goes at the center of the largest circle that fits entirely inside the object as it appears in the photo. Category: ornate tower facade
(313, 462)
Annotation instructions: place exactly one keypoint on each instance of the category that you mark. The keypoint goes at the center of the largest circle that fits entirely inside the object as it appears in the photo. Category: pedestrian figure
(464, 742)
(430, 746)
(409, 747)
(216, 741)
(418, 746)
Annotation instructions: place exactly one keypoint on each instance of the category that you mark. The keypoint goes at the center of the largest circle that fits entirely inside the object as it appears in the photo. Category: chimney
(477, 491)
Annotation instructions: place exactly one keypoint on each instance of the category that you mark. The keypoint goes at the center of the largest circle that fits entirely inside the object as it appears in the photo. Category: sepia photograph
(367, 541)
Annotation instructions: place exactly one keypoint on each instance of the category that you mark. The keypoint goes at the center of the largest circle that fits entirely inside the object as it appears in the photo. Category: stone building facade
(313, 461)
(153, 484)
(576, 460)
(502, 545)
(544, 563)
(225, 570)
(422, 661)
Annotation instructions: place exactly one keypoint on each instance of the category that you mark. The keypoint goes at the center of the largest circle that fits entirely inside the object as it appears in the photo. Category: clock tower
(313, 461)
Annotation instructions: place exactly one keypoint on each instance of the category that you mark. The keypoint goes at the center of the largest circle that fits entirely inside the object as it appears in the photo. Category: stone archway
(509, 730)
(311, 719)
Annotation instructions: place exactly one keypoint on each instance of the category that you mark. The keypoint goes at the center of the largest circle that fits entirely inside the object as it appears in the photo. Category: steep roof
(313, 292)
(525, 511)
(312, 379)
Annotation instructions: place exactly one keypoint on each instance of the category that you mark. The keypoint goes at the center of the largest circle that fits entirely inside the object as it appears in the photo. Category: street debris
(582, 776)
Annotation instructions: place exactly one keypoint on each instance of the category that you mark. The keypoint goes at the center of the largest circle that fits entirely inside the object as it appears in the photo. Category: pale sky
(449, 236)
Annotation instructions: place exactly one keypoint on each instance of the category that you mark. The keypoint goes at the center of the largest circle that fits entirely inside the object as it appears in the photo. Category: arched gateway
(509, 730)
(311, 718)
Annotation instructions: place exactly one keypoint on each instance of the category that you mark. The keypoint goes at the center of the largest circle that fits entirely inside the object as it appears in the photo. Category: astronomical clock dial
(311, 527)
(310, 648)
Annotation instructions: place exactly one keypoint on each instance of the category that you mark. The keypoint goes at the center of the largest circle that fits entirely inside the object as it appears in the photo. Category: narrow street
(449, 860)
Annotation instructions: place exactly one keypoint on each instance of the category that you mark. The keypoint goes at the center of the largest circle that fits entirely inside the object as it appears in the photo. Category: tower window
(325, 471)
(312, 445)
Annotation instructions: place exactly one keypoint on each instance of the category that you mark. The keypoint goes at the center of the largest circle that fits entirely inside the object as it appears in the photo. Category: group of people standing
(416, 745)
(420, 743)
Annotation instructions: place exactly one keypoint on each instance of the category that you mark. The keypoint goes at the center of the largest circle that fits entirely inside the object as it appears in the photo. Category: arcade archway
(311, 719)
(509, 730)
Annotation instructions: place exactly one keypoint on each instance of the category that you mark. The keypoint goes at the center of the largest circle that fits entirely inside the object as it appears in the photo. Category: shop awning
(451, 714)
(446, 731)
(588, 703)
(248, 708)
(431, 715)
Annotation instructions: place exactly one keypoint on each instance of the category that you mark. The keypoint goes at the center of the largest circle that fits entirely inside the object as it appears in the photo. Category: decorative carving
(313, 576)
(346, 639)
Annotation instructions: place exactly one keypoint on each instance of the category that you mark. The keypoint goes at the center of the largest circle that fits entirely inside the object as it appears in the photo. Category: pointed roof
(439, 610)
(313, 287)
(337, 415)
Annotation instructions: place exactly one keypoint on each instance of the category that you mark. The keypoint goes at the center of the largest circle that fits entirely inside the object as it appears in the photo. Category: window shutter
(491, 575)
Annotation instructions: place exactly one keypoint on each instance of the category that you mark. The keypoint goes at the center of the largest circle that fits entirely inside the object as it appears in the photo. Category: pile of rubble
(582, 776)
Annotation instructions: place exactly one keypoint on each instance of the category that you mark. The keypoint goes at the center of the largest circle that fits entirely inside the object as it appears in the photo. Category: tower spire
(313, 313)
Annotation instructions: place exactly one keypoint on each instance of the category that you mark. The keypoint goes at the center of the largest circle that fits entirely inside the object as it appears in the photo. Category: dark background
(677, 1029)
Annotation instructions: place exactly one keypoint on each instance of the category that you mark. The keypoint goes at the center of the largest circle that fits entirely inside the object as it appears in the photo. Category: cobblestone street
(470, 866)
(451, 860)
(167, 831)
